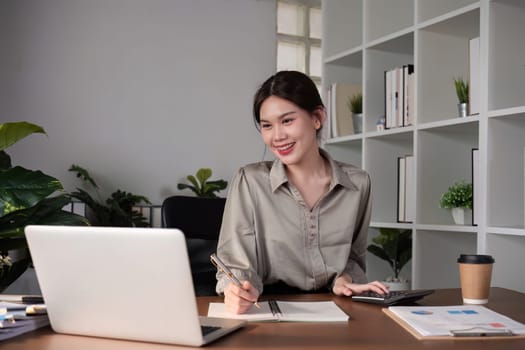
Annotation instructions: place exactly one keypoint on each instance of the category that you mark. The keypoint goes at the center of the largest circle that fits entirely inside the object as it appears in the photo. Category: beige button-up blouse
(269, 234)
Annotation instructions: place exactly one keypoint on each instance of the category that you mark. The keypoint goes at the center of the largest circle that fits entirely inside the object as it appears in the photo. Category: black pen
(224, 269)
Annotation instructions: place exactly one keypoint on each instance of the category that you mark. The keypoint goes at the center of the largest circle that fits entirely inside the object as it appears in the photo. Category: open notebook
(272, 310)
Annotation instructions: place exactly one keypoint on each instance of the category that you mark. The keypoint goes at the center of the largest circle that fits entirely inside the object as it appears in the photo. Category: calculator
(393, 297)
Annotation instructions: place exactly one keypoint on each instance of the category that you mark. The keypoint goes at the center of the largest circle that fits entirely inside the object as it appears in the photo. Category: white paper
(440, 320)
(296, 311)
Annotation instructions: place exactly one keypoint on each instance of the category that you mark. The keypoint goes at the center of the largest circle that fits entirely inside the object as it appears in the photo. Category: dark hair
(293, 86)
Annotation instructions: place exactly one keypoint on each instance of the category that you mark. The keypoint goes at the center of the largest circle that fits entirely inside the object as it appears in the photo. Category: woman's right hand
(239, 299)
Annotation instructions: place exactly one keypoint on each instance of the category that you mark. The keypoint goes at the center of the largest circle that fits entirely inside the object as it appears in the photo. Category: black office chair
(200, 219)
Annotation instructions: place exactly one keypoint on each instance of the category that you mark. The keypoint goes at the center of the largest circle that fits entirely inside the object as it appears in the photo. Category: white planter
(462, 216)
(398, 285)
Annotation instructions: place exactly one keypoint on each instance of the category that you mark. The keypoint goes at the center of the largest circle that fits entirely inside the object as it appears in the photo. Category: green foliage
(355, 103)
(25, 200)
(461, 89)
(459, 195)
(394, 246)
(201, 186)
(117, 210)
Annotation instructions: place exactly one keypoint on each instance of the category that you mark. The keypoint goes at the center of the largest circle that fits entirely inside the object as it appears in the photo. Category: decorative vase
(357, 121)
(397, 285)
(463, 109)
(462, 216)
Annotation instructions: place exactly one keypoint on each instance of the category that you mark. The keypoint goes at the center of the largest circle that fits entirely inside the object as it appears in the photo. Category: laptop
(126, 283)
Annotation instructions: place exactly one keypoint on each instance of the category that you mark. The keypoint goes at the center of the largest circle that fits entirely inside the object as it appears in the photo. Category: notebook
(126, 283)
(288, 311)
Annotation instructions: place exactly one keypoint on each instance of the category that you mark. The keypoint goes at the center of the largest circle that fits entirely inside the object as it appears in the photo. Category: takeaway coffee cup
(475, 272)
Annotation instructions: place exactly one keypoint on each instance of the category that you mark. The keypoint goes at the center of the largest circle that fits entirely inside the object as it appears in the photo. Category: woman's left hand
(343, 286)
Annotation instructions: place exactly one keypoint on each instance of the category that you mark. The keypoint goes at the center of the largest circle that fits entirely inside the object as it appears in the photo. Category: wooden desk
(369, 328)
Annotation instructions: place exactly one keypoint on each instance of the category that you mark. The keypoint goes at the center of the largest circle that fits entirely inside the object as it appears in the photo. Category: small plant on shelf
(355, 103)
(459, 195)
(461, 89)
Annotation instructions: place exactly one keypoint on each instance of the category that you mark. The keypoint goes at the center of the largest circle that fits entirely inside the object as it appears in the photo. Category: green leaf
(21, 188)
(83, 174)
(46, 212)
(203, 174)
(10, 133)
(5, 161)
(184, 186)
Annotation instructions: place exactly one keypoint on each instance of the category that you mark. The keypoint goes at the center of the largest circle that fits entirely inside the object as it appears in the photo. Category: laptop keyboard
(208, 329)
(394, 297)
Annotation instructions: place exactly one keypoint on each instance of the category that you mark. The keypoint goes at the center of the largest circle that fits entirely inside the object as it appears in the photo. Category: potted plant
(117, 210)
(395, 247)
(25, 199)
(458, 198)
(355, 104)
(201, 186)
(463, 96)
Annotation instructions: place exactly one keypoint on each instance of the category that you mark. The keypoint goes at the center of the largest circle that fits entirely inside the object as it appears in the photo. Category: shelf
(382, 155)
(342, 16)
(507, 112)
(380, 58)
(506, 54)
(432, 11)
(448, 228)
(512, 231)
(434, 35)
(435, 256)
(383, 17)
(436, 68)
(507, 252)
(445, 157)
(506, 153)
(349, 58)
(348, 149)
(448, 122)
(398, 225)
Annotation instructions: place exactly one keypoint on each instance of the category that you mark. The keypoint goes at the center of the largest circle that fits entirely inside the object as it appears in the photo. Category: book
(474, 77)
(290, 311)
(401, 188)
(14, 320)
(410, 188)
(442, 322)
(476, 188)
(408, 93)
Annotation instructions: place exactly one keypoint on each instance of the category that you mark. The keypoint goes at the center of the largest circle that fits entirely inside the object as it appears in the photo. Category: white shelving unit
(362, 39)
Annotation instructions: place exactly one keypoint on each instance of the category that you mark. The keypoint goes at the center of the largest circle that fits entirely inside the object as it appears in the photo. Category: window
(299, 37)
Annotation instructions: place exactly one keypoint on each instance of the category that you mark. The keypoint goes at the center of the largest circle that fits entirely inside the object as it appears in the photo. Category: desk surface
(368, 328)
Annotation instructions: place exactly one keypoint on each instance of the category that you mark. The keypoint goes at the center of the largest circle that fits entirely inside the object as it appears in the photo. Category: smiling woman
(299, 223)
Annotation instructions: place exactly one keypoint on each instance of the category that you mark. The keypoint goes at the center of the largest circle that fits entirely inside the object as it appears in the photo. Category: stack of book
(15, 319)
(399, 96)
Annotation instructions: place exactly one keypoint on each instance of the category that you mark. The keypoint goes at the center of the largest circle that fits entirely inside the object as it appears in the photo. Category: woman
(301, 220)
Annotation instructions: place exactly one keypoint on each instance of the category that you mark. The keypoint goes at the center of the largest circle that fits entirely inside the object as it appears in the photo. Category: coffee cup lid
(475, 259)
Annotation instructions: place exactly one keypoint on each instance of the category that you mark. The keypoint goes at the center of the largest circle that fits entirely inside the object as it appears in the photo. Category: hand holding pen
(244, 288)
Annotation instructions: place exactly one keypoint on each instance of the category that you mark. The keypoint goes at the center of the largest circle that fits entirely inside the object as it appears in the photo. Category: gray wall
(139, 92)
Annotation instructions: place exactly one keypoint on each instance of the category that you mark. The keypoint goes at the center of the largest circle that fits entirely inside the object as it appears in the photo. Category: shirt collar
(339, 177)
